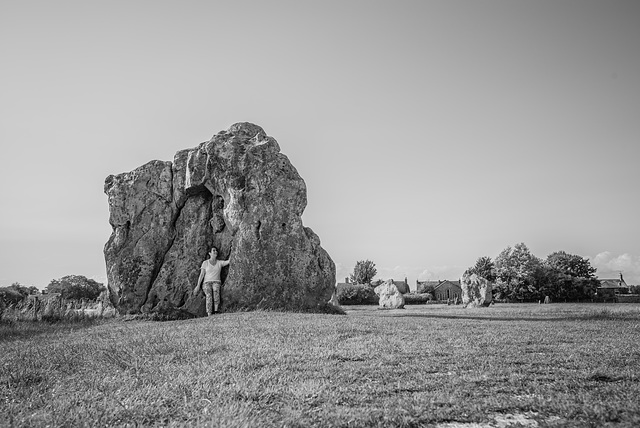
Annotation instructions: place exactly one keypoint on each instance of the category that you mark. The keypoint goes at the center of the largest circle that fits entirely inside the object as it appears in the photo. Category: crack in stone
(174, 233)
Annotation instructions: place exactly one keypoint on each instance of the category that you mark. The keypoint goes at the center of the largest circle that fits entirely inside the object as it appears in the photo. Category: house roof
(436, 284)
(402, 286)
(433, 283)
(446, 281)
(612, 283)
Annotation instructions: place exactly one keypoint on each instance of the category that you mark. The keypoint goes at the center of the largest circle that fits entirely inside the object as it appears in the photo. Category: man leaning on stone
(209, 280)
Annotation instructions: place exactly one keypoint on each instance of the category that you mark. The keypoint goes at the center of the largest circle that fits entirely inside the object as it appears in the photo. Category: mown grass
(427, 365)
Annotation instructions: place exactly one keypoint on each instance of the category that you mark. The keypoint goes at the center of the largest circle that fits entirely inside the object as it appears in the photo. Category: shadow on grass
(487, 318)
(17, 330)
(591, 315)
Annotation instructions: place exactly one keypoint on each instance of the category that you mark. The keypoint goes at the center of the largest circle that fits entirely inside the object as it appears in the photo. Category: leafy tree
(24, 290)
(571, 277)
(428, 288)
(571, 264)
(75, 287)
(9, 295)
(364, 272)
(517, 271)
(16, 292)
(522, 276)
(484, 267)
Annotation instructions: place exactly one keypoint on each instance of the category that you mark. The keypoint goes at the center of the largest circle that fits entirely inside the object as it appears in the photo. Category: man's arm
(200, 278)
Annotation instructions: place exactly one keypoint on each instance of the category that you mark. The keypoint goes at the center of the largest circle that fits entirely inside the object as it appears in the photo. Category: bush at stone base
(417, 298)
(356, 294)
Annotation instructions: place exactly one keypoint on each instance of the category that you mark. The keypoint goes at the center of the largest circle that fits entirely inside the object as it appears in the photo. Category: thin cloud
(397, 273)
(610, 265)
(441, 272)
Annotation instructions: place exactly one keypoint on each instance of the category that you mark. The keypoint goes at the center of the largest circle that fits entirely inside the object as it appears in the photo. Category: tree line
(519, 275)
(70, 287)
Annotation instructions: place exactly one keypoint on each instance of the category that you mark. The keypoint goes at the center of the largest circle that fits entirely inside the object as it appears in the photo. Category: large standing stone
(236, 192)
(476, 291)
(390, 296)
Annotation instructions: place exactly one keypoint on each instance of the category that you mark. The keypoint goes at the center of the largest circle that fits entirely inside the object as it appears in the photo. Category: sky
(428, 133)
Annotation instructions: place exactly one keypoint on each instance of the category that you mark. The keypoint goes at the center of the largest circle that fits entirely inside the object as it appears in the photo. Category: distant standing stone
(390, 296)
(476, 291)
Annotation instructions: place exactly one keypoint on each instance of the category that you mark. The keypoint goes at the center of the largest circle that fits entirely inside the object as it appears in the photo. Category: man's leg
(216, 296)
(208, 292)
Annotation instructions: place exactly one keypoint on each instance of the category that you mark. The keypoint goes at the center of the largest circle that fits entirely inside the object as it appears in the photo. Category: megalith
(236, 192)
(389, 295)
(476, 291)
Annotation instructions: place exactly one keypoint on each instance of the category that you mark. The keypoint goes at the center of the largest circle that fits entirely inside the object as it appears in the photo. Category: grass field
(507, 365)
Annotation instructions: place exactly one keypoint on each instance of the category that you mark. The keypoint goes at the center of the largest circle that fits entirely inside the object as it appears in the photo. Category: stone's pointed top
(246, 130)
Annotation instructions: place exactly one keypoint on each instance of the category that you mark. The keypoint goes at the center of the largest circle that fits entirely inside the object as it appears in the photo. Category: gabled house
(612, 287)
(448, 290)
(442, 289)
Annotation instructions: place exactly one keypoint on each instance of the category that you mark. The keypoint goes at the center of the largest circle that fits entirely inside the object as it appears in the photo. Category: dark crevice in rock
(219, 203)
(197, 190)
(217, 221)
(257, 230)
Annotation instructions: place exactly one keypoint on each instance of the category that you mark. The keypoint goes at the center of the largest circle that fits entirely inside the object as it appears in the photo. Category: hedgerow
(356, 294)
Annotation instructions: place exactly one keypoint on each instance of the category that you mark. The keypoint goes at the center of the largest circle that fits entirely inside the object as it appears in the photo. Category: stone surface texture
(236, 192)
(476, 291)
(389, 295)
